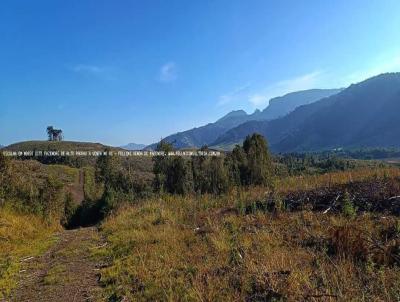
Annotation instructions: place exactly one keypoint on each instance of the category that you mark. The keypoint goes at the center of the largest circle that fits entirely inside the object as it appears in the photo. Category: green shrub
(348, 208)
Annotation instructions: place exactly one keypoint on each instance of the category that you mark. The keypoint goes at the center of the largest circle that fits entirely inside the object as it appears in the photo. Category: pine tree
(348, 208)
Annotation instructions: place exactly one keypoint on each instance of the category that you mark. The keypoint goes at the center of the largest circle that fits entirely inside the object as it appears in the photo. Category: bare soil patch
(67, 272)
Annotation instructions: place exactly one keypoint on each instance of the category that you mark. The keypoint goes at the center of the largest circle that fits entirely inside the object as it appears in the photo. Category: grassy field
(308, 237)
(22, 236)
(301, 183)
(205, 248)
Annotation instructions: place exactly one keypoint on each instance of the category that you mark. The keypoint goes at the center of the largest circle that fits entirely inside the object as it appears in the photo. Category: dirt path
(67, 272)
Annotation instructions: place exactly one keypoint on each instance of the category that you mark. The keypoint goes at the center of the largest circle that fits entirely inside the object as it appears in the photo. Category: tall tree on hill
(54, 134)
(49, 131)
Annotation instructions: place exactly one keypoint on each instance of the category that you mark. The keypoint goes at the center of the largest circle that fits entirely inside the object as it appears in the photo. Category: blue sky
(135, 71)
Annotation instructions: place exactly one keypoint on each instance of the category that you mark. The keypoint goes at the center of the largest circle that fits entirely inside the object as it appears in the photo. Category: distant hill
(205, 135)
(58, 146)
(1, 146)
(363, 115)
(198, 137)
(133, 146)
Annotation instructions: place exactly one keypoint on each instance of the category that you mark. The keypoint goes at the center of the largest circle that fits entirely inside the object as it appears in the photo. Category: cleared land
(247, 246)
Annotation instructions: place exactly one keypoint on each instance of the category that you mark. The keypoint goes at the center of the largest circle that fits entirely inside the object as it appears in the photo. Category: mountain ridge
(283, 105)
(350, 118)
(207, 134)
(133, 146)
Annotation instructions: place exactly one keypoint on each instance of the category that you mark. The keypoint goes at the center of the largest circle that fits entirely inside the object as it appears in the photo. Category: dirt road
(67, 272)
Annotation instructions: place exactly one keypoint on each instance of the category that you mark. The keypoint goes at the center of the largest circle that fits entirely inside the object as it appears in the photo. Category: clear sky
(134, 71)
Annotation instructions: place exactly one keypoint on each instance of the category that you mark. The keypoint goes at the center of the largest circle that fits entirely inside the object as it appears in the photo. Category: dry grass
(205, 249)
(162, 253)
(308, 182)
(21, 236)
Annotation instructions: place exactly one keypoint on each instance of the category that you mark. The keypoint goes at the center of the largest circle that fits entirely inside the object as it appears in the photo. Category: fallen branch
(327, 210)
(333, 203)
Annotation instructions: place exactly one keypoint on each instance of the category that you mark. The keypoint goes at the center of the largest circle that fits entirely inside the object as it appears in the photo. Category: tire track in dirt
(66, 272)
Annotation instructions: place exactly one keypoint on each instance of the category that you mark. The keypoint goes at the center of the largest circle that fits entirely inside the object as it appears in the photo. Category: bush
(108, 201)
(348, 208)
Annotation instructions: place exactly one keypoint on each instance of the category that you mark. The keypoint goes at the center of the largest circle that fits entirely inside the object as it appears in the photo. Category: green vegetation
(368, 153)
(319, 163)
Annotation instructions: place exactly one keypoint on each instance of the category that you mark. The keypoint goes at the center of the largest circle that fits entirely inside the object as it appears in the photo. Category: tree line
(249, 164)
(115, 180)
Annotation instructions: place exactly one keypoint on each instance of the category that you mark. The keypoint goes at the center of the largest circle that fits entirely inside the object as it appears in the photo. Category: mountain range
(278, 107)
(363, 115)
